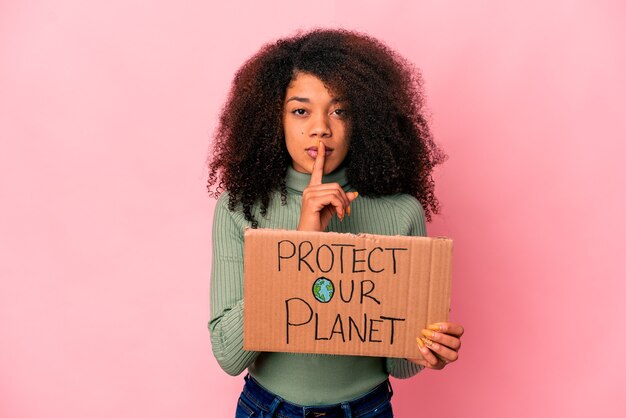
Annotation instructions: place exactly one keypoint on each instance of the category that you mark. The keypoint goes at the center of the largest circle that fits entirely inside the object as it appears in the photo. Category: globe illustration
(323, 289)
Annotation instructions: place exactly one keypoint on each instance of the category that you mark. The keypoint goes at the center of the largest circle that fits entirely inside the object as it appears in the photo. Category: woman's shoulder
(222, 209)
(408, 212)
(405, 205)
(223, 199)
(223, 202)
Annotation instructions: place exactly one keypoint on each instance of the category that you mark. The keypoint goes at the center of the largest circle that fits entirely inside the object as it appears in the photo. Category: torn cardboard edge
(336, 293)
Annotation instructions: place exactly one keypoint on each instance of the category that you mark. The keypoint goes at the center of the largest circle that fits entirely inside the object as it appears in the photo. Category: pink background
(106, 115)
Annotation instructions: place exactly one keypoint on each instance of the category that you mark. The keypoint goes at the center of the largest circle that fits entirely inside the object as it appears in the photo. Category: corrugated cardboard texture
(324, 292)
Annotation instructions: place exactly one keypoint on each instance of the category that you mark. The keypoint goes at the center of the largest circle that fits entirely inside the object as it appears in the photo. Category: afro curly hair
(391, 147)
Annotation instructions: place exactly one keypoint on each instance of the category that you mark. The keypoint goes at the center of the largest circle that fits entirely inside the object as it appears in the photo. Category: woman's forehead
(306, 87)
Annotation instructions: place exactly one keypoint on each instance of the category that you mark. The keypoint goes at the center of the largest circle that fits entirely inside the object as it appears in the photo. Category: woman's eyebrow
(298, 99)
(307, 100)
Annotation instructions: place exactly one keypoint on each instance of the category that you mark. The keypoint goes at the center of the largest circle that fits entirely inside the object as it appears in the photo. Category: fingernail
(435, 327)
(356, 194)
(348, 210)
(420, 342)
(428, 333)
(319, 144)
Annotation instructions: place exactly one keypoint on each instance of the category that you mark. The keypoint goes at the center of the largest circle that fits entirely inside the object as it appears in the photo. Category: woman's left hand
(440, 344)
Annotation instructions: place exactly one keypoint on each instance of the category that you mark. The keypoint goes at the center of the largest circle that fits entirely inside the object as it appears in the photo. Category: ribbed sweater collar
(297, 181)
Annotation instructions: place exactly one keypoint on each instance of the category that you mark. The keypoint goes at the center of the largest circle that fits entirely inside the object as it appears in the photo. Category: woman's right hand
(320, 201)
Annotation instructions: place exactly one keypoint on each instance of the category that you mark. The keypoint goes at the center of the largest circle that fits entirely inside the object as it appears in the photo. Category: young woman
(323, 131)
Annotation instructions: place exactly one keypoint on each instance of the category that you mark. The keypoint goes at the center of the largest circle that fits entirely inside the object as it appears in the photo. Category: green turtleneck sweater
(305, 379)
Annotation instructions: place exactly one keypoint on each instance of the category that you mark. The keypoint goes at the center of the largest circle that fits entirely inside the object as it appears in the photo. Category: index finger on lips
(318, 166)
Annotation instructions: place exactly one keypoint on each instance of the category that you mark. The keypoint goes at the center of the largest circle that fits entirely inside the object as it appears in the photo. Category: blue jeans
(256, 401)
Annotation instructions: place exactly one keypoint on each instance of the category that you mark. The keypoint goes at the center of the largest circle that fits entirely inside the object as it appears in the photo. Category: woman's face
(312, 114)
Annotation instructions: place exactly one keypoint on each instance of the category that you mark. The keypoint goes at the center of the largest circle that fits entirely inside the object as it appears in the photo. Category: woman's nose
(321, 126)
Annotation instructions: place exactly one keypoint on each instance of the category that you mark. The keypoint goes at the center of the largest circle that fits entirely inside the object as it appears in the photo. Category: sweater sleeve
(414, 214)
(226, 324)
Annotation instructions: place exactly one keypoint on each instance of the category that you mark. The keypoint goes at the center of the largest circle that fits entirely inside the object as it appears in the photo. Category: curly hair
(391, 147)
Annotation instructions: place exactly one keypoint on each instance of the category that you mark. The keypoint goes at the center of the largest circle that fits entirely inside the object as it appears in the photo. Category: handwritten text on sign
(342, 293)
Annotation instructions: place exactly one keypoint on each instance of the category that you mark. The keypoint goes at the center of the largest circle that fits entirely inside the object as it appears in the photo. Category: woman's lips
(312, 152)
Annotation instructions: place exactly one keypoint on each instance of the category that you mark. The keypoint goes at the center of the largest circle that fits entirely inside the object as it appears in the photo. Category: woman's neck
(297, 181)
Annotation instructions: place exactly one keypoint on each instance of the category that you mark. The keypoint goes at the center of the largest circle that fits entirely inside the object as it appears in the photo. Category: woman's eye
(299, 112)
(340, 112)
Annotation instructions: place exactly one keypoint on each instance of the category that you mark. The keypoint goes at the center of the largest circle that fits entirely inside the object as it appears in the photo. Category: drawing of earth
(323, 289)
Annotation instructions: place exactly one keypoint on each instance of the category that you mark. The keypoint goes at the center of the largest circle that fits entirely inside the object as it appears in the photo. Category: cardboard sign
(331, 293)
